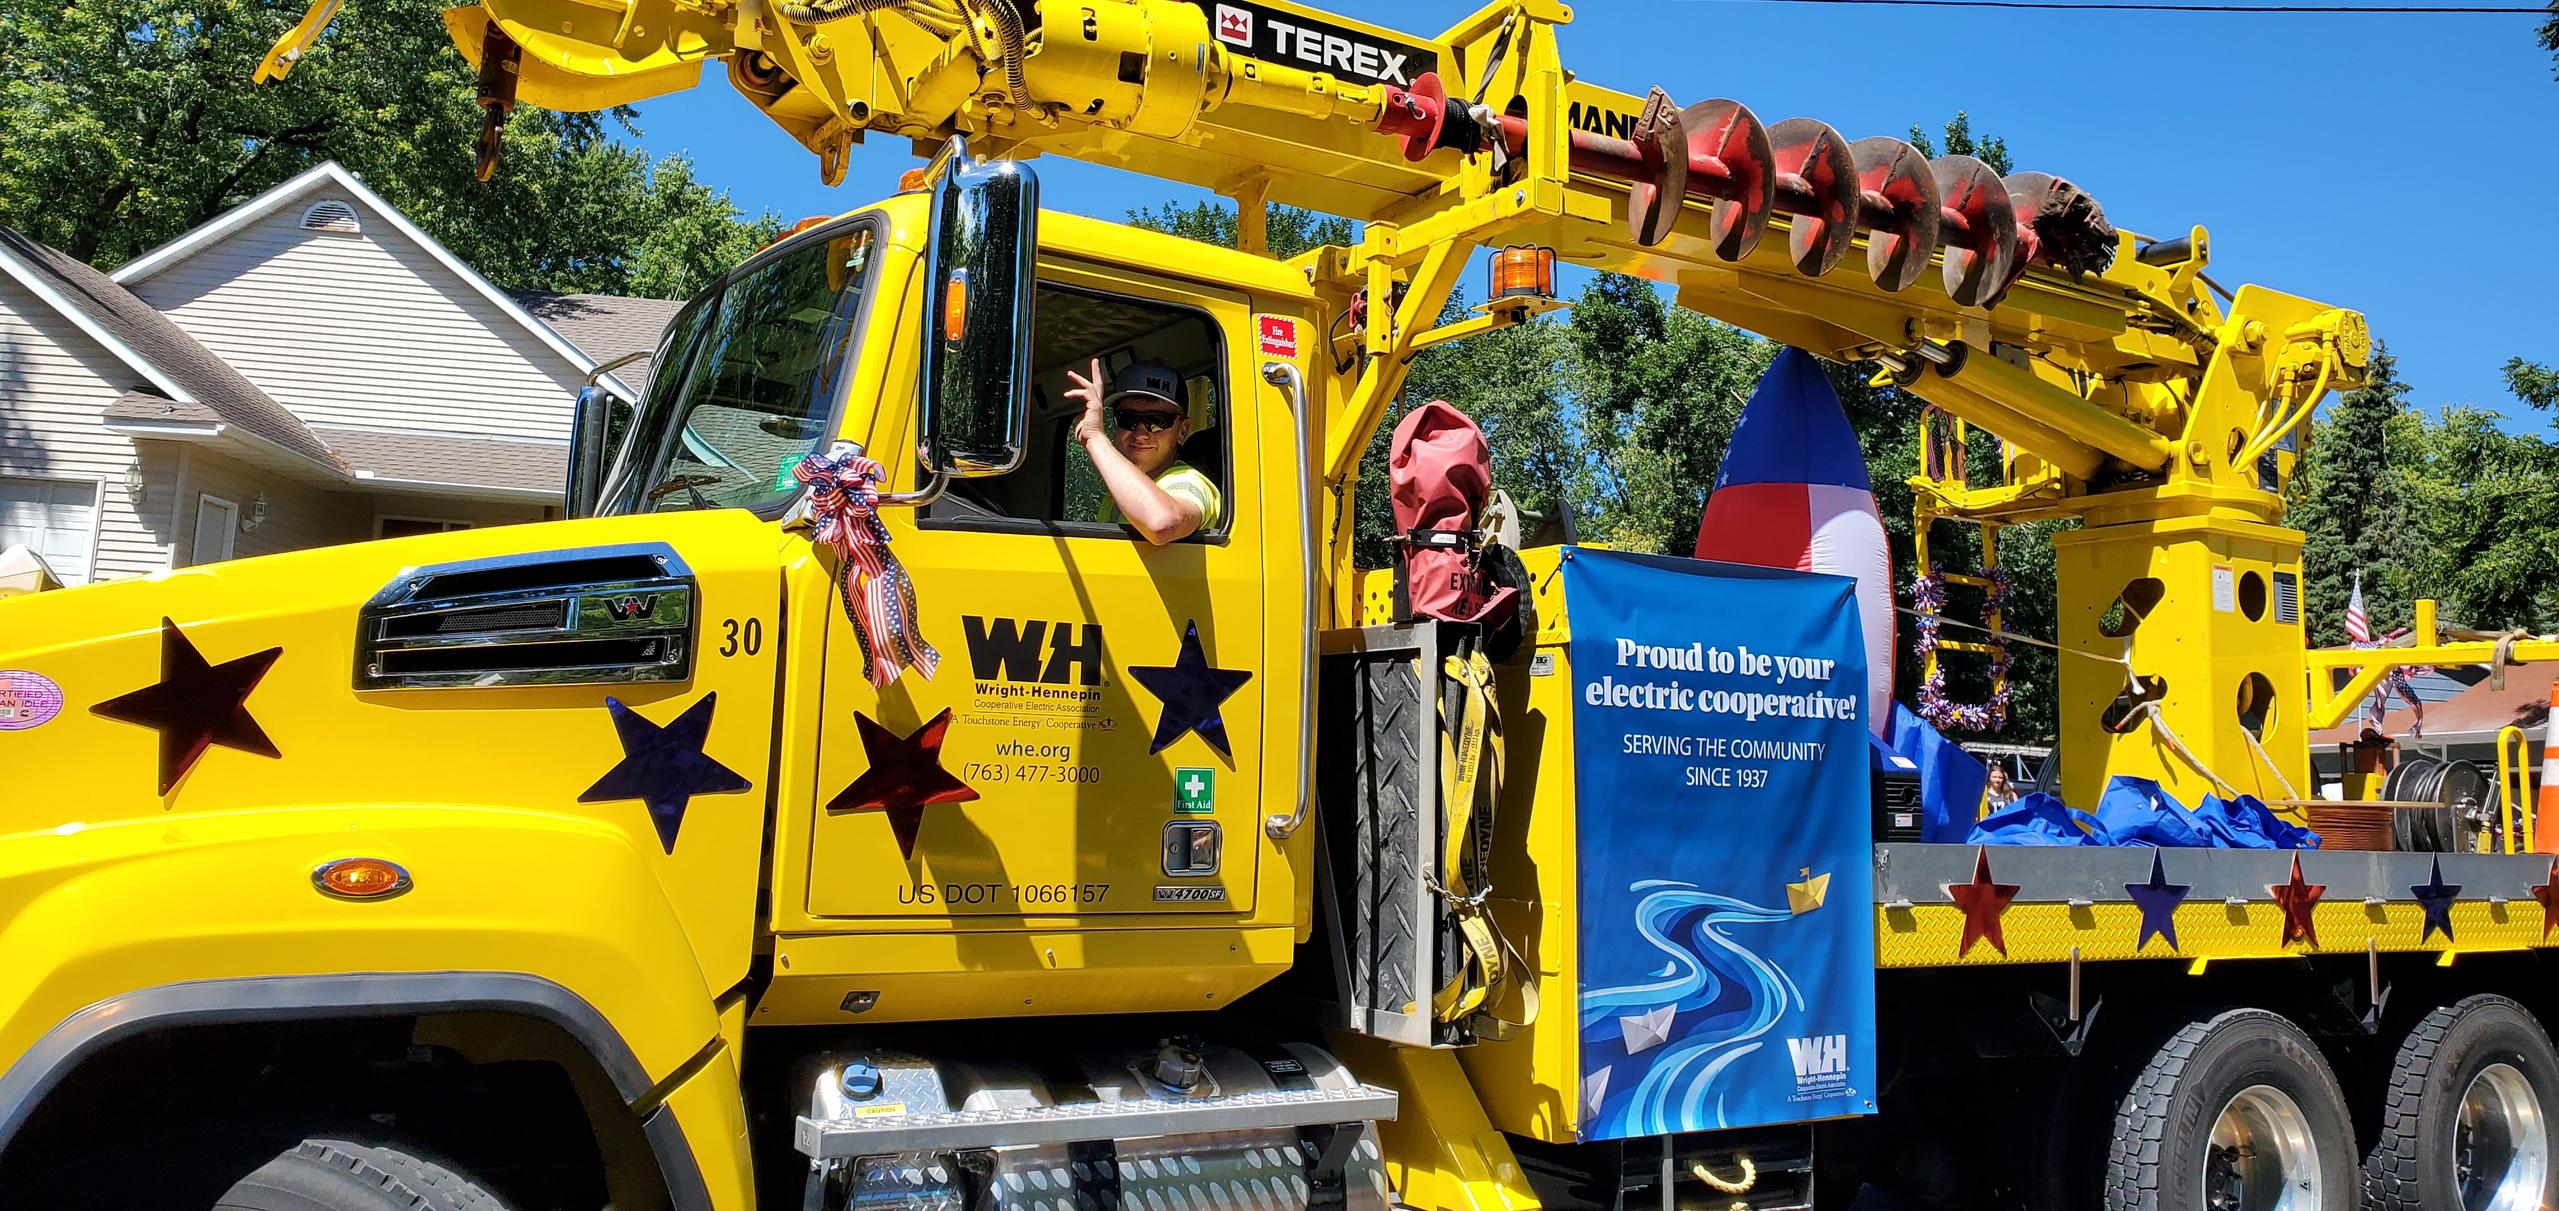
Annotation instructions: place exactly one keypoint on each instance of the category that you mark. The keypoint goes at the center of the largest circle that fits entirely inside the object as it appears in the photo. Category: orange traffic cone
(2545, 815)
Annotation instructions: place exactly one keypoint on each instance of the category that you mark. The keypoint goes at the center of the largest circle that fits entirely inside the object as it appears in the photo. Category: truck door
(1094, 741)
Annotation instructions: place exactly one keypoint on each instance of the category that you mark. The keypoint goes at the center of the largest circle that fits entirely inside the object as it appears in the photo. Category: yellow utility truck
(832, 813)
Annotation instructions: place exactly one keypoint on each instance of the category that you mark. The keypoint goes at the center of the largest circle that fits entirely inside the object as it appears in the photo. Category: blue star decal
(664, 767)
(2436, 896)
(1192, 693)
(2158, 900)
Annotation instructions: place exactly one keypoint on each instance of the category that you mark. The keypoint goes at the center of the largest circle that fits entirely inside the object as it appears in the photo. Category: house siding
(339, 328)
(55, 384)
(298, 516)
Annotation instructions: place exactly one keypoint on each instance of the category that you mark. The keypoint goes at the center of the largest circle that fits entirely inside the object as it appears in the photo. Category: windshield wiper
(691, 485)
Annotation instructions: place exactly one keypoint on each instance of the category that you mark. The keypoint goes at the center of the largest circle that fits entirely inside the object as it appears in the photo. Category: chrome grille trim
(617, 630)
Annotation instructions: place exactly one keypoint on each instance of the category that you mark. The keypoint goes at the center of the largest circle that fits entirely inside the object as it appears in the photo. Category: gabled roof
(607, 326)
(330, 173)
(172, 362)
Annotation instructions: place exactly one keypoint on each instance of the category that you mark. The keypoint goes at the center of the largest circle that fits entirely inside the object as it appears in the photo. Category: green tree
(2486, 503)
(1960, 141)
(2352, 507)
(2550, 35)
(1659, 390)
(2534, 384)
(124, 124)
(1290, 230)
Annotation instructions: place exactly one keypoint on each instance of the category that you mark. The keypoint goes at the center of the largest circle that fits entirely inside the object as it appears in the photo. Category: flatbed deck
(2080, 902)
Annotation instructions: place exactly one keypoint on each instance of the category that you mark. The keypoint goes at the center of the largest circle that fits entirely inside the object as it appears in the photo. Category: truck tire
(337, 1175)
(2466, 1116)
(2237, 1111)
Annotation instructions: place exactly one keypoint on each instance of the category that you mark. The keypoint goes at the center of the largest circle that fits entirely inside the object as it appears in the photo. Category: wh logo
(628, 609)
(1820, 1056)
(1004, 649)
(1234, 25)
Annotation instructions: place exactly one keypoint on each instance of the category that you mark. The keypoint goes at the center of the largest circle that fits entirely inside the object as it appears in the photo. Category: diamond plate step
(878, 1135)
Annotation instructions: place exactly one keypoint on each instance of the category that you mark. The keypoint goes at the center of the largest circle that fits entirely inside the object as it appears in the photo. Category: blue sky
(2395, 163)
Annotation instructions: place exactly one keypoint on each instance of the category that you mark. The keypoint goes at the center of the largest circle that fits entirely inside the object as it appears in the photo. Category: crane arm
(2101, 353)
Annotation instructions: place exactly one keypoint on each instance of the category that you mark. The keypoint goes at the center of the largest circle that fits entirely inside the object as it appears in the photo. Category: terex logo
(1271, 32)
(1006, 649)
(1234, 25)
(1821, 1057)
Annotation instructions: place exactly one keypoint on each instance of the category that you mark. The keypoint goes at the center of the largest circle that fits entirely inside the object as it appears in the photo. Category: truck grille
(603, 615)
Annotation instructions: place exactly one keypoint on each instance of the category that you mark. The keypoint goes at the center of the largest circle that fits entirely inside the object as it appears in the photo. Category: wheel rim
(2500, 1145)
(2261, 1157)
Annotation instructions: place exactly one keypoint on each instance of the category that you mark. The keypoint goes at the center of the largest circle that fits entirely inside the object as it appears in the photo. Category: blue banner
(1727, 925)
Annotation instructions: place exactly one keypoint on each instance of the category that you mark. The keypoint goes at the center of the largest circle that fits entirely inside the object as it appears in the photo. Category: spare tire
(340, 1175)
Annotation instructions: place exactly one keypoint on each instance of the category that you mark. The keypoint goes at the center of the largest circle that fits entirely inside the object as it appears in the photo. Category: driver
(1150, 488)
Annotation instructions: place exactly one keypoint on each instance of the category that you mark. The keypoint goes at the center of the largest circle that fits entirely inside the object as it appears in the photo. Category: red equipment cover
(1442, 475)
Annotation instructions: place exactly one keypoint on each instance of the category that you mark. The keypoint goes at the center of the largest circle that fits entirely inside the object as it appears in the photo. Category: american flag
(2359, 633)
(2358, 623)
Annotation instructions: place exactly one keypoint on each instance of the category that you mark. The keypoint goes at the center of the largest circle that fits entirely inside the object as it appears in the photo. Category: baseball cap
(1153, 379)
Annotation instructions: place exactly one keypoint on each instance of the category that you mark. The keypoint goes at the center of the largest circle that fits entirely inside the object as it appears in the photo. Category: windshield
(747, 380)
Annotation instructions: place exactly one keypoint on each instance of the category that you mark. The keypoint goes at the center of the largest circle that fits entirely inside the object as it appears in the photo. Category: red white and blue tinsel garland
(1928, 596)
(879, 597)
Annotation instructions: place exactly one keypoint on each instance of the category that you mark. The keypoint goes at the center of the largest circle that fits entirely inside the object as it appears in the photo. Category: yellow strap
(1466, 752)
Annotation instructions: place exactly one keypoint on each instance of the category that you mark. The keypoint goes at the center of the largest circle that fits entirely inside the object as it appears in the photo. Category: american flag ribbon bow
(879, 597)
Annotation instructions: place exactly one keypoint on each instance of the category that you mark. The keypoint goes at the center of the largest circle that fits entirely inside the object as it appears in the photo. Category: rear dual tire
(2466, 1117)
(2236, 1113)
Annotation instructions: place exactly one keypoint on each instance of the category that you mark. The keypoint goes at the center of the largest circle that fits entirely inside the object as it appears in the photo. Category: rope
(1740, 1185)
(2150, 710)
(2124, 660)
(2271, 767)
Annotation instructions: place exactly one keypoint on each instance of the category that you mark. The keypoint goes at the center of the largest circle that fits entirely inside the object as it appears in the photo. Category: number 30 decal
(738, 636)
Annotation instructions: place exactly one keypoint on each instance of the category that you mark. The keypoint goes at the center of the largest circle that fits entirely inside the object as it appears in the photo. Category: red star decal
(906, 776)
(1982, 901)
(2297, 899)
(2548, 894)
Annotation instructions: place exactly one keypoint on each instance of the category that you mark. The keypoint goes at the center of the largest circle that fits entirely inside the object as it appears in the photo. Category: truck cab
(631, 772)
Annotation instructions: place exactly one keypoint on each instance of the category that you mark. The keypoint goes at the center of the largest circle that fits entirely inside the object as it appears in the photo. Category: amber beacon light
(1523, 271)
(360, 879)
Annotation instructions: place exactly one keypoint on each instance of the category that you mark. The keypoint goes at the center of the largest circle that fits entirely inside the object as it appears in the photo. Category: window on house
(55, 518)
(403, 527)
(1056, 488)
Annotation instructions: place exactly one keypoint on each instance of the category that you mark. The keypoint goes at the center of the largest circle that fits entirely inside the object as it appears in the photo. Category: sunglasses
(1145, 420)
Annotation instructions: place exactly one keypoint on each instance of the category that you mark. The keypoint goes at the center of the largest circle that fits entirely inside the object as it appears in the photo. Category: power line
(2122, 6)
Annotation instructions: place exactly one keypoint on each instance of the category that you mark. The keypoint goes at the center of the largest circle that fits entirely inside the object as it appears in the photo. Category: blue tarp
(1950, 779)
(2136, 812)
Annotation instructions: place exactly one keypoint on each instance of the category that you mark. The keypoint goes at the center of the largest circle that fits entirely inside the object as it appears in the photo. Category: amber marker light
(955, 306)
(911, 181)
(360, 879)
(1523, 271)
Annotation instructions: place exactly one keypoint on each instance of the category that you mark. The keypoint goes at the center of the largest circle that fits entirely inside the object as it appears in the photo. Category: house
(308, 368)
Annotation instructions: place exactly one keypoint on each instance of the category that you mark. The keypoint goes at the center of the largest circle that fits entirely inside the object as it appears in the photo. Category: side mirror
(587, 450)
(591, 439)
(977, 357)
